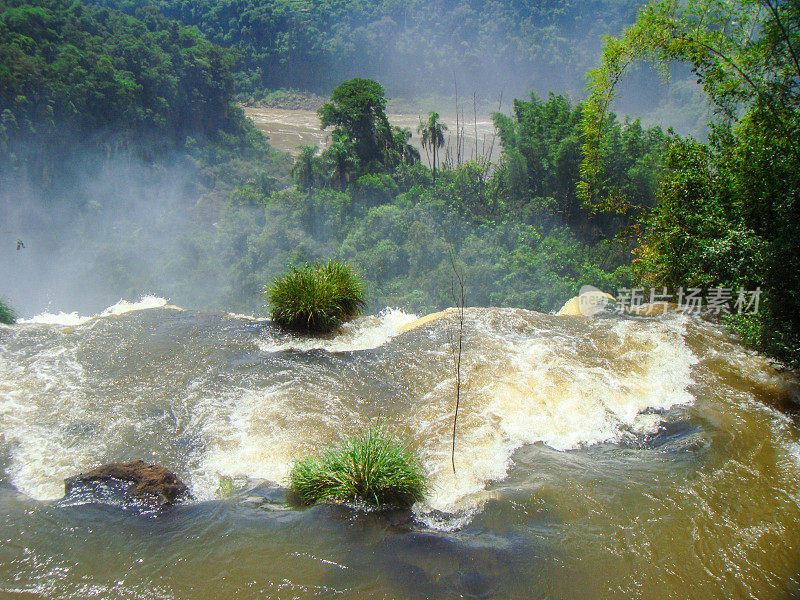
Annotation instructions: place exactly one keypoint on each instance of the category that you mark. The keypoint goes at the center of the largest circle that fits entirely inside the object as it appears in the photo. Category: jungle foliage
(729, 212)
(76, 80)
(516, 225)
(414, 45)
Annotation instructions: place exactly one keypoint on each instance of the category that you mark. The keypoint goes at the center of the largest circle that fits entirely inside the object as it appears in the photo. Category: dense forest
(77, 80)
(729, 210)
(119, 129)
(413, 47)
(517, 226)
(118, 124)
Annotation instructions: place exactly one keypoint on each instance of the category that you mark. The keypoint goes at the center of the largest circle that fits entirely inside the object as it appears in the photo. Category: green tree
(730, 210)
(432, 132)
(744, 52)
(305, 168)
(357, 112)
(341, 161)
(541, 142)
(402, 140)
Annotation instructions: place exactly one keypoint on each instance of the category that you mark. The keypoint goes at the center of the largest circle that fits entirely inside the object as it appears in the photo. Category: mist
(127, 228)
(115, 227)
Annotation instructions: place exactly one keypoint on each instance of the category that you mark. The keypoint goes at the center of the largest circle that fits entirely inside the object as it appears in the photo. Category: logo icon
(592, 300)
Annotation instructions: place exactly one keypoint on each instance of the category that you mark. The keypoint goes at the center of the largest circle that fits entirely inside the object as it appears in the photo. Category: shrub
(375, 188)
(370, 468)
(316, 297)
(7, 314)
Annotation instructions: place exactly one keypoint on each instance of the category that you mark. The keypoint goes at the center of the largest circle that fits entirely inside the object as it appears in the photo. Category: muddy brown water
(596, 458)
(288, 129)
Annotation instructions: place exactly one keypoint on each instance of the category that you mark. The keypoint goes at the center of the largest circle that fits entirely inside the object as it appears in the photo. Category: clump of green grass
(370, 468)
(7, 314)
(318, 297)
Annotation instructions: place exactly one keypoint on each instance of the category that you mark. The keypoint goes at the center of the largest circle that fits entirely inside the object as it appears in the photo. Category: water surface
(596, 458)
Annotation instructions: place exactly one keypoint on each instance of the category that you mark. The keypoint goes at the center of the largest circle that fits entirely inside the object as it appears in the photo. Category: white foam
(247, 317)
(364, 333)
(38, 395)
(518, 389)
(73, 319)
(258, 434)
(539, 379)
(144, 303)
(540, 389)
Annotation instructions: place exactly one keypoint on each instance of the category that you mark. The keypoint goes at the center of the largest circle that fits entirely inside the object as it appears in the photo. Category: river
(613, 457)
(288, 129)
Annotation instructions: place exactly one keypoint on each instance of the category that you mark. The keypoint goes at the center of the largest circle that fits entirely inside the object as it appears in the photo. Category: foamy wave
(562, 387)
(38, 395)
(543, 389)
(364, 333)
(243, 440)
(73, 319)
(527, 378)
(144, 303)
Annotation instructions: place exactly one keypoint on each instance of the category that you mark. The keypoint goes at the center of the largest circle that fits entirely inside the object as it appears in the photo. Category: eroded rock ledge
(149, 481)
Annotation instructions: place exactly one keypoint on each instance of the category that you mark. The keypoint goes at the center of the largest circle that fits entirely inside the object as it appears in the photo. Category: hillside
(75, 78)
(416, 47)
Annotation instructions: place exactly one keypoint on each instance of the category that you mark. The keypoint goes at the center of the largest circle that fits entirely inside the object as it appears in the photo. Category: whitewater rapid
(73, 319)
(527, 378)
(609, 456)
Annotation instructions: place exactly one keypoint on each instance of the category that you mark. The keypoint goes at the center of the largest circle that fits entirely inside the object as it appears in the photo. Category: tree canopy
(416, 46)
(362, 140)
(64, 63)
(357, 112)
(729, 213)
(77, 81)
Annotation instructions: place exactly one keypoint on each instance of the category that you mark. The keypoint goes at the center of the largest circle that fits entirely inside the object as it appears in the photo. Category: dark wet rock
(438, 565)
(148, 482)
(679, 437)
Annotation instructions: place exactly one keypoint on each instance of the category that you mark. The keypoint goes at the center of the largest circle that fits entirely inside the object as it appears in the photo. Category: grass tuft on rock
(370, 468)
(7, 314)
(316, 298)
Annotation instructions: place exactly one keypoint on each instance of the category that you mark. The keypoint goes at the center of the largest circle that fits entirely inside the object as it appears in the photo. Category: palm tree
(304, 167)
(408, 153)
(341, 161)
(432, 136)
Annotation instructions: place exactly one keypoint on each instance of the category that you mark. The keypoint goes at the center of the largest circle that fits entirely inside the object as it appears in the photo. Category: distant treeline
(415, 47)
(517, 226)
(76, 80)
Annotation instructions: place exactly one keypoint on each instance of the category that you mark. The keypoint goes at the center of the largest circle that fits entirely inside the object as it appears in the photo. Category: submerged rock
(150, 482)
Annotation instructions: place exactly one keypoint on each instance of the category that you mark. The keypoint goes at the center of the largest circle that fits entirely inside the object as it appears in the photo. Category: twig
(457, 279)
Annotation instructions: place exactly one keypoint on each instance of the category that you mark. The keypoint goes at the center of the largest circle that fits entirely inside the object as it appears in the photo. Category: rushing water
(596, 458)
